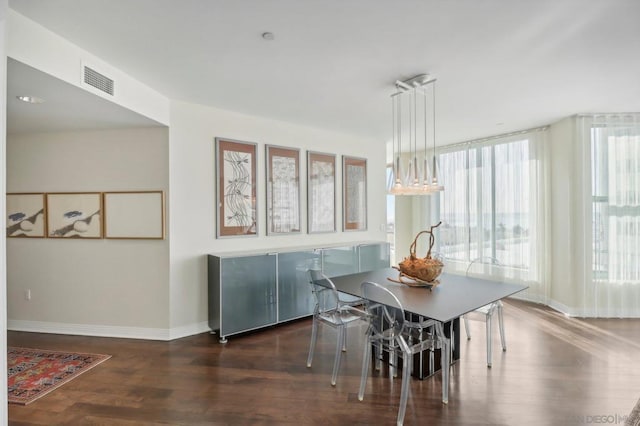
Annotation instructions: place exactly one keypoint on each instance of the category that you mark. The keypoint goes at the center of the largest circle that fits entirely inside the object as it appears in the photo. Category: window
(615, 195)
(606, 209)
(485, 208)
(391, 216)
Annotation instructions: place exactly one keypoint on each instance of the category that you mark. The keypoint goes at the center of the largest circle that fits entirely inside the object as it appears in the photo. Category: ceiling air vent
(95, 79)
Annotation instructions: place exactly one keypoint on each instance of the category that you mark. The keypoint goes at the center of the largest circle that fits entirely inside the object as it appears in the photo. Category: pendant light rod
(425, 177)
(409, 184)
(393, 137)
(435, 175)
(415, 138)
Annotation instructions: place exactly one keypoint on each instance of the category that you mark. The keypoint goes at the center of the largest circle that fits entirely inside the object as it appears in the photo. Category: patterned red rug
(33, 373)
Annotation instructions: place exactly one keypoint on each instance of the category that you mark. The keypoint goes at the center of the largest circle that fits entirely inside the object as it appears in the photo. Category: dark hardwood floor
(557, 371)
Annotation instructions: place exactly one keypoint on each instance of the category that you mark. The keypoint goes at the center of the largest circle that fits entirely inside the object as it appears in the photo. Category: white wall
(191, 204)
(108, 287)
(192, 132)
(88, 287)
(404, 226)
(3, 283)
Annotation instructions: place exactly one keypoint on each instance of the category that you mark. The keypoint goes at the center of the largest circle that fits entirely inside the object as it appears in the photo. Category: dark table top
(456, 295)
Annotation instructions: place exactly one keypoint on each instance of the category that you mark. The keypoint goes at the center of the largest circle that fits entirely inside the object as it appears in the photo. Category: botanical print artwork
(25, 215)
(74, 215)
(237, 189)
(322, 194)
(284, 194)
(356, 208)
(354, 193)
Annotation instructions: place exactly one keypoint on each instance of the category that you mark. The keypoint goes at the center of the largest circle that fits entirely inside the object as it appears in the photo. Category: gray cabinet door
(248, 293)
(338, 261)
(295, 299)
(374, 256)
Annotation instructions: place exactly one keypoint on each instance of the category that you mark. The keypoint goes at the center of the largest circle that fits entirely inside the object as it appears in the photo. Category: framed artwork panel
(354, 194)
(26, 215)
(283, 190)
(74, 215)
(134, 215)
(321, 192)
(236, 177)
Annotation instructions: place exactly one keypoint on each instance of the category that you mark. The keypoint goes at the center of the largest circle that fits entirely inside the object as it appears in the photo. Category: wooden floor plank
(556, 371)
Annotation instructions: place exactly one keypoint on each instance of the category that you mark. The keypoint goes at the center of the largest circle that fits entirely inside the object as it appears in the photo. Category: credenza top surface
(263, 251)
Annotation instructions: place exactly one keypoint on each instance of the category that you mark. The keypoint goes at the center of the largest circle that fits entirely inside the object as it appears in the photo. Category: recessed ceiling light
(30, 99)
(268, 36)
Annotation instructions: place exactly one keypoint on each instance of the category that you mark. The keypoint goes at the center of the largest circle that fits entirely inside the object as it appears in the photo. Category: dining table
(444, 301)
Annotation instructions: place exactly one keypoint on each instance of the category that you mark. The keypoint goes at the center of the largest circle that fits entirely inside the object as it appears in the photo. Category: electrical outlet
(27, 294)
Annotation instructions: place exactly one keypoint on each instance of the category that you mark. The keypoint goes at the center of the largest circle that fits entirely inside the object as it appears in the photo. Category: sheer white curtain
(609, 147)
(453, 238)
(495, 205)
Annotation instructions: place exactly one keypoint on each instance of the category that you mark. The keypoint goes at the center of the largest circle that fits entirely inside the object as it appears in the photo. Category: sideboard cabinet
(250, 290)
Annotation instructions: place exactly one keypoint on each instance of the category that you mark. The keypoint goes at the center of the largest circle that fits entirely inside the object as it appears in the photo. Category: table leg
(428, 362)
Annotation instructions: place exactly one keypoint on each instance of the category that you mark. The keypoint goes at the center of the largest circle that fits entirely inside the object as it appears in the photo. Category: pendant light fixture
(410, 112)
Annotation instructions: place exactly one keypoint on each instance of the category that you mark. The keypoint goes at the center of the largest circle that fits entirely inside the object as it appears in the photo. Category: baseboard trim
(107, 330)
(562, 308)
(585, 313)
(189, 330)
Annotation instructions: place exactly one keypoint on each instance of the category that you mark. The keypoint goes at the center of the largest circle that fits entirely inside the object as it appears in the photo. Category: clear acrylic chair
(389, 330)
(488, 310)
(332, 311)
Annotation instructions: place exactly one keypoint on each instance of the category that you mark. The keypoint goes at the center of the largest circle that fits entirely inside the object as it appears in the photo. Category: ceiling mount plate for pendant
(415, 81)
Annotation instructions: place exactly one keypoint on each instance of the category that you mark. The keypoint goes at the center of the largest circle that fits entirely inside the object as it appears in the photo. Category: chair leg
(488, 323)
(404, 394)
(501, 324)
(445, 362)
(377, 360)
(366, 359)
(466, 327)
(336, 362)
(453, 343)
(393, 362)
(312, 347)
(344, 340)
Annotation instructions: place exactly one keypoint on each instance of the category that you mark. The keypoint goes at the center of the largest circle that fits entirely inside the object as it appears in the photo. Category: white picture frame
(134, 215)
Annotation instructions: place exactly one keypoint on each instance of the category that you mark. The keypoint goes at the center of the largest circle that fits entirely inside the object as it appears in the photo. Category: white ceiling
(502, 65)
